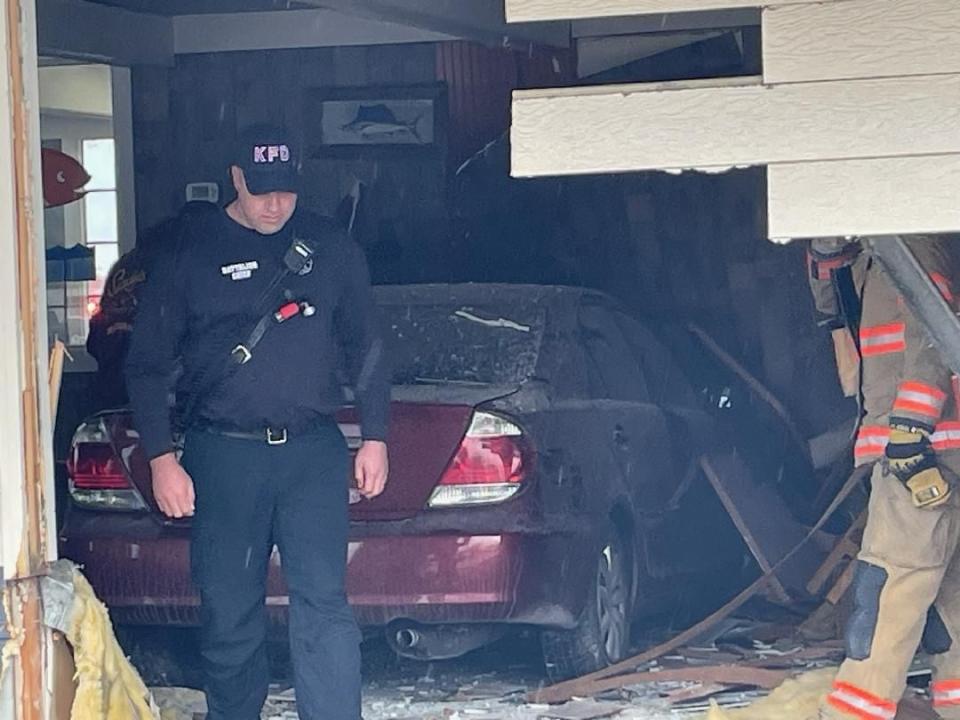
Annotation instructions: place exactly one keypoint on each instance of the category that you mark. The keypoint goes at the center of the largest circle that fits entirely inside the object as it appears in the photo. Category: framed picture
(375, 119)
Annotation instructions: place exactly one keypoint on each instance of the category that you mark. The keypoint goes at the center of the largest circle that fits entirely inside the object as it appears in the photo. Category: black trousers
(250, 496)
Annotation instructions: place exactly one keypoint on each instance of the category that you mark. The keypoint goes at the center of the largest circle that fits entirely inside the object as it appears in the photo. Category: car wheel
(602, 636)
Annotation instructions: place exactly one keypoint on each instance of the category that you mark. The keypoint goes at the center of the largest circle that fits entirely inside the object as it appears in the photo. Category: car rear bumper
(437, 578)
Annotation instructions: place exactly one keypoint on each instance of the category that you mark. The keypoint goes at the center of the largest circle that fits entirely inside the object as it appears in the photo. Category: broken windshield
(463, 343)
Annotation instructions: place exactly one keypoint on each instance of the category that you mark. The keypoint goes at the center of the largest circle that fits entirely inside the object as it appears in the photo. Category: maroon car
(543, 452)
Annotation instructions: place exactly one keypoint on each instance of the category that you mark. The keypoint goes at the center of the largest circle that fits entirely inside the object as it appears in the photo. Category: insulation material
(796, 699)
(108, 687)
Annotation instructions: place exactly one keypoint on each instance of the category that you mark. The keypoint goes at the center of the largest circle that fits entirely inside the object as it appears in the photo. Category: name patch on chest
(240, 270)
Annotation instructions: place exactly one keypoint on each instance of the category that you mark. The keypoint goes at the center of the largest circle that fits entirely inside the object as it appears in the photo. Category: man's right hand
(172, 487)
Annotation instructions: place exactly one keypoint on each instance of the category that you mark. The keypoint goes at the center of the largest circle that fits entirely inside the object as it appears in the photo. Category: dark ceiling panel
(194, 7)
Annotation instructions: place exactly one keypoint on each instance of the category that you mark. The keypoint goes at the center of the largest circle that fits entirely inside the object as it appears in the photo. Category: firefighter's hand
(911, 459)
(371, 468)
(172, 487)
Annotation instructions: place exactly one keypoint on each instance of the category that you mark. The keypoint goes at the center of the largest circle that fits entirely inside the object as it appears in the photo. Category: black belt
(271, 435)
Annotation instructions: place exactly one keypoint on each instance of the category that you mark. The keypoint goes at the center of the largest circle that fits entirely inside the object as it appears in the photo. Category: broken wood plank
(696, 692)
(765, 521)
(567, 689)
(842, 585)
(846, 548)
(721, 674)
(729, 675)
(758, 387)
(743, 527)
(55, 376)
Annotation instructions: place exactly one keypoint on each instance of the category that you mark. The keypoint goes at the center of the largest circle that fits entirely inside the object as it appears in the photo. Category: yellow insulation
(796, 699)
(108, 686)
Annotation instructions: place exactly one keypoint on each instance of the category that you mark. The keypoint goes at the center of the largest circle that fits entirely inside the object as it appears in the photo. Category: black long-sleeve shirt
(200, 301)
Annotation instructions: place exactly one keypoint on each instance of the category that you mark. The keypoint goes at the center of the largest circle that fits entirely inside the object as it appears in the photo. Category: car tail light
(98, 478)
(490, 466)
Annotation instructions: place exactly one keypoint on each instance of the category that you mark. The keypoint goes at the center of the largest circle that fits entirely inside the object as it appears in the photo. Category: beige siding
(853, 197)
(626, 128)
(536, 10)
(861, 39)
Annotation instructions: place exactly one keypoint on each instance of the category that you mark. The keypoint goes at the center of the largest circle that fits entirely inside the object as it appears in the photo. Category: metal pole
(920, 295)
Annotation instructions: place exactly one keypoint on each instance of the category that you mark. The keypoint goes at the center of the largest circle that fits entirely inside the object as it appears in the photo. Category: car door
(633, 427)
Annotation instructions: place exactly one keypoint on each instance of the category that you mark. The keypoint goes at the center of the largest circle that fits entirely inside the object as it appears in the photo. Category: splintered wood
(624, 673)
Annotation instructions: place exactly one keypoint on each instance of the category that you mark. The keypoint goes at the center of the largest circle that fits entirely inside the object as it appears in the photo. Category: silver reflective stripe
(942, 436)
(888, 339)
(921, 397)
(950, 696)
(863, 705)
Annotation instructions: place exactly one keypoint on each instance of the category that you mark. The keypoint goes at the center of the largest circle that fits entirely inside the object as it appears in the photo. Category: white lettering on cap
(270, 153)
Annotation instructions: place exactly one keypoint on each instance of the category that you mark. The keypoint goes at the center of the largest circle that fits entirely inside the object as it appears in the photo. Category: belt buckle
(241, 354)
(276, 437)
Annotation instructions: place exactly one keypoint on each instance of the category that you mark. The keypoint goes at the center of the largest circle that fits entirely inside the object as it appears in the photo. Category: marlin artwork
(376, 122)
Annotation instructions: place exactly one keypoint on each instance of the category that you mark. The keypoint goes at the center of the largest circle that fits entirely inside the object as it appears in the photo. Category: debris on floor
(725, 667)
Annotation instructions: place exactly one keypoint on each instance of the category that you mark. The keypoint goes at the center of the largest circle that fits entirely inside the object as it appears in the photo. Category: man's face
(267, 213)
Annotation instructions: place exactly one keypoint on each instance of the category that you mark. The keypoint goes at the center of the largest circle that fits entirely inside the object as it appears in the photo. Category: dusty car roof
(476, 292)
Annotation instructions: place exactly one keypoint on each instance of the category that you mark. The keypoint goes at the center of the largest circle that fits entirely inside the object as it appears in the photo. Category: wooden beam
(667, 22)
(540, 10)
(731, 123)
(864, 197)
(289, 29)
(99, 33)
(861, 39)
(481, 20)
(27, 522)
(725, 675)
(743, 527)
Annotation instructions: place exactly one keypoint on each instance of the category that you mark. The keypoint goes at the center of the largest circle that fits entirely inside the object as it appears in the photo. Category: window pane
(101, 217)
(106, 256)
(98, 161)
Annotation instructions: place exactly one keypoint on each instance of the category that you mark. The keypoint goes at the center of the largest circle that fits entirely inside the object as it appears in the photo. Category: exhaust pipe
(440, 642)
(407, 639)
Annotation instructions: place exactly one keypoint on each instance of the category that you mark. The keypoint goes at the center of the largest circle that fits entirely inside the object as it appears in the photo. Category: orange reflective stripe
(924, 400)
(872, 441)
(943, 285)
(946, 436)
(851, 699)
(946, 692)
(883, 339)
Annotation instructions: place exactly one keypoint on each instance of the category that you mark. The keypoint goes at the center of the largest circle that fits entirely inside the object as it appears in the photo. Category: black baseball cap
(268, 158)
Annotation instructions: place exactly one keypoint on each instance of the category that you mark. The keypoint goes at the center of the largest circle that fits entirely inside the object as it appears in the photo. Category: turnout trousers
(906, 589)
(250, 496)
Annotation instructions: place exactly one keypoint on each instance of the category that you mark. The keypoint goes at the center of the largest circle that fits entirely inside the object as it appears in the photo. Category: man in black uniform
(263, 303)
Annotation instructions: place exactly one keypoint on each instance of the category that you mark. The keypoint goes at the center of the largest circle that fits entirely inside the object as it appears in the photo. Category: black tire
(602, 635)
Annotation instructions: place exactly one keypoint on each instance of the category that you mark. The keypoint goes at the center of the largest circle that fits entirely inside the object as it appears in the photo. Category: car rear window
(462, 342)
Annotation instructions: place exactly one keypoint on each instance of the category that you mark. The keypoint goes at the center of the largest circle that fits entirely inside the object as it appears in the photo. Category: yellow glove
(911, 459)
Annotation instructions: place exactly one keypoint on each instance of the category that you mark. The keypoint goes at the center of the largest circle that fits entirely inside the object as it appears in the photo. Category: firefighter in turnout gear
(907, 583)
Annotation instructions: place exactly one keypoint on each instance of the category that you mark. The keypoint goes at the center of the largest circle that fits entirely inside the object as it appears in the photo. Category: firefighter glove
(911, 459)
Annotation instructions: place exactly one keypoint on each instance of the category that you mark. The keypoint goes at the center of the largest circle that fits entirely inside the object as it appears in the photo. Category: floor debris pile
(707, 681)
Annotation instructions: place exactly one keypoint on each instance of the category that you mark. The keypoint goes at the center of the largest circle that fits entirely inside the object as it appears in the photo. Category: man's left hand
(371, 468)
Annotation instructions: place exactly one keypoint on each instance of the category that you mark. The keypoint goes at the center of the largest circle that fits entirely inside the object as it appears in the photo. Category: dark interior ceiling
(196, 7)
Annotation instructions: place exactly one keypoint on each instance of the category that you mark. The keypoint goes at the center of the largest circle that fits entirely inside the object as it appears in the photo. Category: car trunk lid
(428, 422)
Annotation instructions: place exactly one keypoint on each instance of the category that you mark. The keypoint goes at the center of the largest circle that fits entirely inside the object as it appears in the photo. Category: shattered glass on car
(486, 344)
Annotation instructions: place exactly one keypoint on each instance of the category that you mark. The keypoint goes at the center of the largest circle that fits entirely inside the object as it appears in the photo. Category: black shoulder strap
(297, 256)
